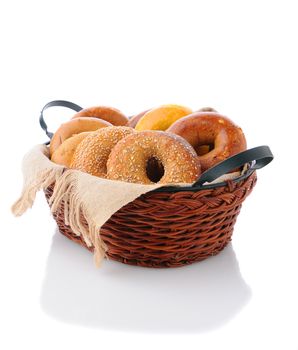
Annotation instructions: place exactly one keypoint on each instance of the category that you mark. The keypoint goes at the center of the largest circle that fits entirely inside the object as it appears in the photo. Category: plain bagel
(75, 126)
(110, 114)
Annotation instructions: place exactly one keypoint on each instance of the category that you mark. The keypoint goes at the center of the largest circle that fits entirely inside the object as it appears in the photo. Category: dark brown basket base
(170, 229)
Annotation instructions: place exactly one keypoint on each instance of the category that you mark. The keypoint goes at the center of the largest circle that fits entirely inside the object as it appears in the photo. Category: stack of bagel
(166, 144)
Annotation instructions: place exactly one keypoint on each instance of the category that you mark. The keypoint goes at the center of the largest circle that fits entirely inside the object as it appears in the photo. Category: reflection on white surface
(194, 298)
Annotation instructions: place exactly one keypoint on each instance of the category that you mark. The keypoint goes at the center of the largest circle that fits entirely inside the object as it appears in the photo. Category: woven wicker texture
(171, 229)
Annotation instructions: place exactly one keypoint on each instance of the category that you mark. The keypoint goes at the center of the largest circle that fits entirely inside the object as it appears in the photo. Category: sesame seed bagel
(64, 153)
(92, 153)
(75, 126)
(110, 114)
(219, 133)
(129, 158)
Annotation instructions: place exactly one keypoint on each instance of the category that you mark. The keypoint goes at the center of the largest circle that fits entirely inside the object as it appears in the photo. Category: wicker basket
(172, 227)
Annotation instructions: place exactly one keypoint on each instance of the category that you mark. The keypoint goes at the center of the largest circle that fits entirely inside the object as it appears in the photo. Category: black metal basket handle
(57, 103)
(260, 156)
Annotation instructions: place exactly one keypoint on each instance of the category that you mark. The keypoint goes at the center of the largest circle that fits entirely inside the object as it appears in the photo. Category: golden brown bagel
(128, 160)
(75, 126)
(160, 118)
(64, 153)
(110, 114)
(92, 153)
(223, 137)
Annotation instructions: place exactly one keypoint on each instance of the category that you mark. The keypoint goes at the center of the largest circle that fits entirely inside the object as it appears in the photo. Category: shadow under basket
(170, 229)
(175, 226)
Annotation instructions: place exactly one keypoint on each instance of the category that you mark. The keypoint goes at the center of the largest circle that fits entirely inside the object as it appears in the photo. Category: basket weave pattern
(170, 229)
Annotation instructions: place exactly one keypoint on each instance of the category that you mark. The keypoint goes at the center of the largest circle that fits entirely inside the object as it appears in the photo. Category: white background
(239, 57)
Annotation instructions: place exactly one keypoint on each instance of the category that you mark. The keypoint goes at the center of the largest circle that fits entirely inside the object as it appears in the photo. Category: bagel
(133, 121)
(207, 109)
(110, 114)
(75, 126)
(218, 132)
(128, 160)
(92, 153)
(64, 153)
(162, 117)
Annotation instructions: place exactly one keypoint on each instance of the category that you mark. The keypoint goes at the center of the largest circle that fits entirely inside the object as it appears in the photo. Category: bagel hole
(154, 169)
(204, 149)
